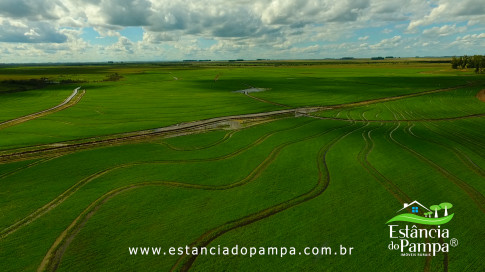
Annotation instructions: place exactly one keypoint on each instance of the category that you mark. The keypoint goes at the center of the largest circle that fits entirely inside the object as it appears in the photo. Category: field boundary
(474, 195)
(70, 101)
(31, 152)
(54, 256)
(143, 135)
(76, 186)
(185, 261)
(477, 115)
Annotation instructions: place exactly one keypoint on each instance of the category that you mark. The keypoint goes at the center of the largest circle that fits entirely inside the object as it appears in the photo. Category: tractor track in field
(269, 211)
(70, 101)
(40, 151)
(385, 182)
(428, 260)
(478, 115)
(2, 176)
(53, 257)
(459, 154)
(266, 101)
(474, 195)
(258, 141)
(429, 257)
(226, 137)
(390, 186)
(74, 188)
(373, 101)
(472, 142)
(185, 262)
(475, 143)
(178, 129)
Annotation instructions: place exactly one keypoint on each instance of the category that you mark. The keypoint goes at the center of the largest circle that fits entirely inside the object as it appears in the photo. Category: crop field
(322, 154)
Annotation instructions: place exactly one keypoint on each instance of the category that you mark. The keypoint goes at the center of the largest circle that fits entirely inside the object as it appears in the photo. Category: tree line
(464, 62)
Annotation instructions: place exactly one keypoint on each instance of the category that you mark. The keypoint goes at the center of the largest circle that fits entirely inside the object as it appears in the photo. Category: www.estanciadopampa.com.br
(242, 251)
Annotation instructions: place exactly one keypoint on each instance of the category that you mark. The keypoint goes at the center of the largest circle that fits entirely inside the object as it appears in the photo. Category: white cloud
(29, 32)
(159, 37)
(451, 10)
(471, 39)
(387, 43)
(124, 45)
(262, 28)
(442, 31)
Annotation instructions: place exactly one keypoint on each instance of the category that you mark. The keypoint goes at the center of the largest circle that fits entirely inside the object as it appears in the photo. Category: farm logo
(426, 237)
(422, 215)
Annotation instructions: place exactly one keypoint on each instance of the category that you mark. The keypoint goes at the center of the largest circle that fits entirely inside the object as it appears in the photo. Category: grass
(291, 182)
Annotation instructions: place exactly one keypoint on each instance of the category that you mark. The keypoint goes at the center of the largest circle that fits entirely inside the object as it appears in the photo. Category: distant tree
(113, 77)
(477, 62)
(454, 62)
(465, 62)
(446, 206)
(482, 65)
(435, 208)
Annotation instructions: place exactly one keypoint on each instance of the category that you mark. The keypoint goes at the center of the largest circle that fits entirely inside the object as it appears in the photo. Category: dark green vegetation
(378, 135)
(476, 62)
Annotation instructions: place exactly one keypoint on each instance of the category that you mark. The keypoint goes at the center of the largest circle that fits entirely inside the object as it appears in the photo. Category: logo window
(414, 209)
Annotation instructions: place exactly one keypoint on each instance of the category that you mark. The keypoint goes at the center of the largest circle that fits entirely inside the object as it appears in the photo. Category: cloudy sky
(129, 30)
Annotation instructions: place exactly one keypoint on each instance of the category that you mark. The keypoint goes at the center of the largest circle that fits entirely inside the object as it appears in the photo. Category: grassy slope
(17, 104)
(149, 97)
(91, 191)
(455, 103)
(140, 101)
(169, 216)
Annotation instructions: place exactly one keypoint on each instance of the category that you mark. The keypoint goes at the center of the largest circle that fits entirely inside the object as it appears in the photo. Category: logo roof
(412, 203)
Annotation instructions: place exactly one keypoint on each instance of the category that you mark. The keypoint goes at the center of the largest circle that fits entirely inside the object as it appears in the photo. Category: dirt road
(68, 102)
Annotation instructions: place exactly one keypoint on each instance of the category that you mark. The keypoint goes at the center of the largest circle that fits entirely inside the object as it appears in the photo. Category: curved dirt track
(54, 256)
(478, 115)
(362, 157)
(9, 173)
(178, 129)
(474, 195)
(75, 187)
(72, 100)
(185, 262)
(266, 101)
(224, 139)
(390, 186)
(184, 128)
(459, 154)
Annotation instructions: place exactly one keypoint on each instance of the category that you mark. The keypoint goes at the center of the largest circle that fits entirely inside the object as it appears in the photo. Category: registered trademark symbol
(453, 242)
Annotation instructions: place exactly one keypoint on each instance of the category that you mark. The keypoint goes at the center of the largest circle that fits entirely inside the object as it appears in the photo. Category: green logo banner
(409, 217)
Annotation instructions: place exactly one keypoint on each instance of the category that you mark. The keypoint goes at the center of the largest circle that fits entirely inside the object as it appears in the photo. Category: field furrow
(323, 154)
(475, 195)
(54, 256)
(185, 262)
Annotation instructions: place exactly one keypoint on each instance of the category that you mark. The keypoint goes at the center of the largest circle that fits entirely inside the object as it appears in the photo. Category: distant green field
(387, 134)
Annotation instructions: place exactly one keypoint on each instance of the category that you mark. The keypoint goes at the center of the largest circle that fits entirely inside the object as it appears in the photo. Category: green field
(357, 141)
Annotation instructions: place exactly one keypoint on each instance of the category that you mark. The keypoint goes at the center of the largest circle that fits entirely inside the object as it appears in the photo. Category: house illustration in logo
(416, 207)
(422, 215)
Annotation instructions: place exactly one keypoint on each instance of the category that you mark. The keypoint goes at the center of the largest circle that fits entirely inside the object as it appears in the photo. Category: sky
(164, 30)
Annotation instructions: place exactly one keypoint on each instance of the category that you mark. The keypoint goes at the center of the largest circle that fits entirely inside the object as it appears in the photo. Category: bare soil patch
(481, 95)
